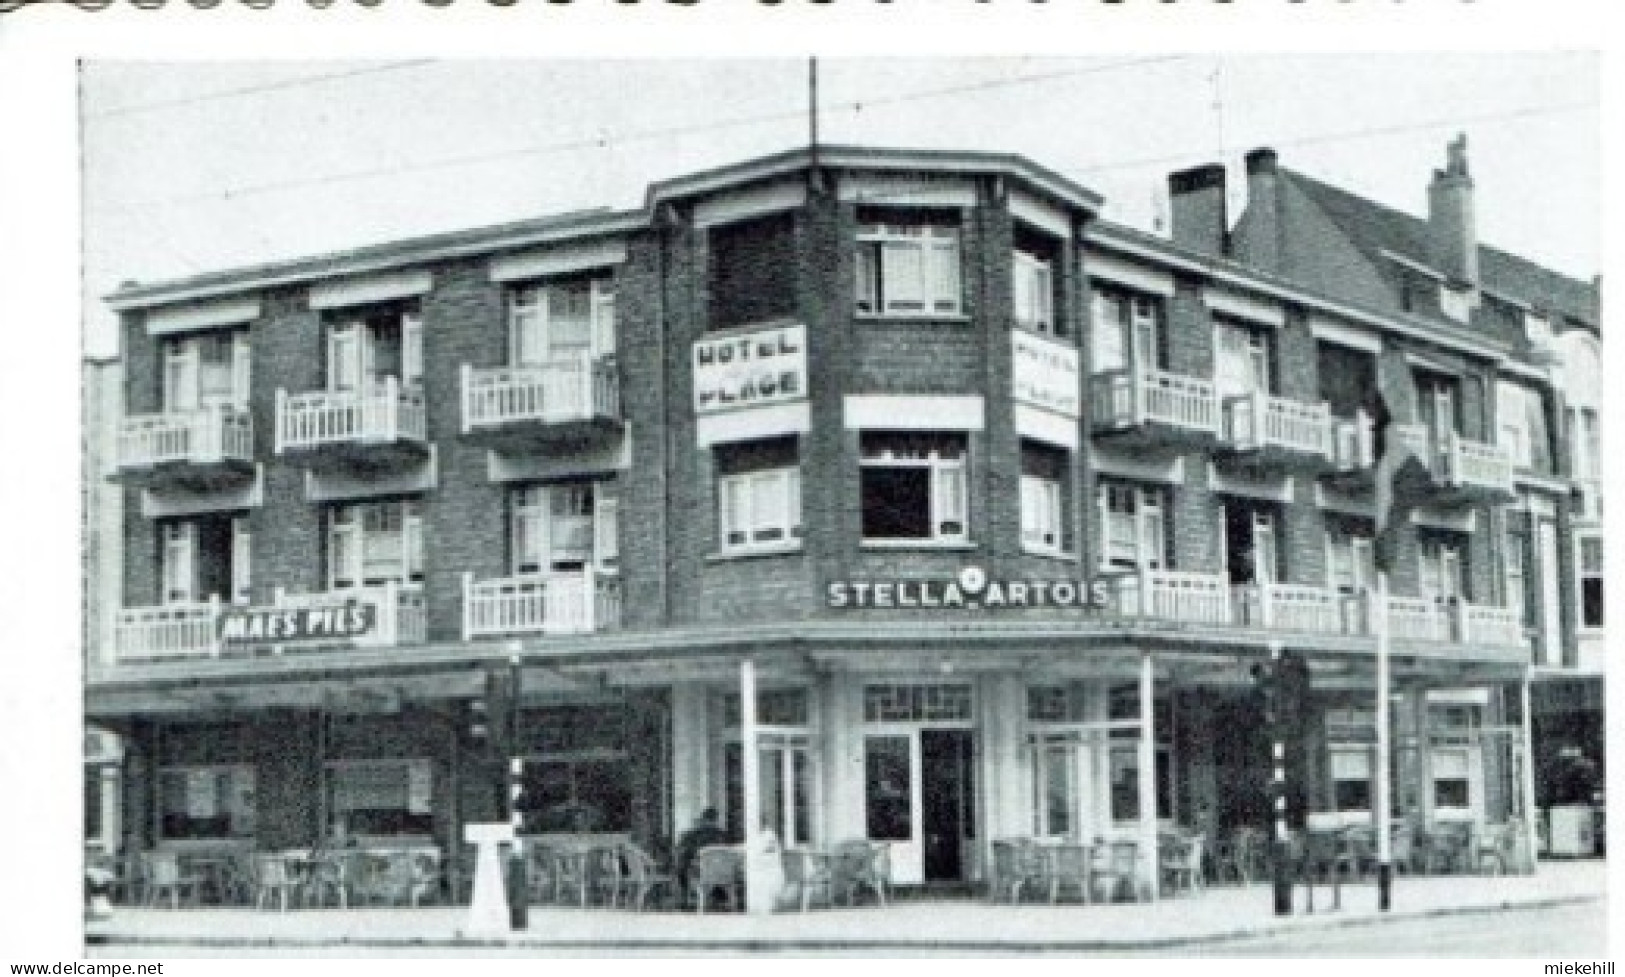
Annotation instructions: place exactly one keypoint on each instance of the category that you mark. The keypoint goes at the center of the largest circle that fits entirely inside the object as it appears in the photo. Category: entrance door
(948, 804)
(920, 798)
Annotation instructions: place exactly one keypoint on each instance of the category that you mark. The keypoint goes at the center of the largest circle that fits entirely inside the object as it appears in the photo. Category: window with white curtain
(1032, 287)
(563, 527)
(365, 347)
(1133, 520)
(206, 369)
(758, 495)
(1242, 359)
(206, 802)
(381, 797)
(1044, 471)
(560, 321)
(373, 543)
(1123, 316)
(908, 268)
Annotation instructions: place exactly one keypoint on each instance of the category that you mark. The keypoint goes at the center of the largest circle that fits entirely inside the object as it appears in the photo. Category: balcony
(1278, 434)
(1154, 408)
(197, 450)
(540, 604)
(564, 402)
(1211, 599)
(382, 426)
(302, 624)
(1461, 471)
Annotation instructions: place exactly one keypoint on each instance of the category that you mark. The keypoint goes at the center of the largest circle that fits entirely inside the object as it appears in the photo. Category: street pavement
(1185, 925)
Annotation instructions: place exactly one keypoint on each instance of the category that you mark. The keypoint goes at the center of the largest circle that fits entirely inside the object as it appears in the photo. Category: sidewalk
(1214, 915)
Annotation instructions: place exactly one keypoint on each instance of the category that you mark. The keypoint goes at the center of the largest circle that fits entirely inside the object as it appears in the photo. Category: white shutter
(241, 560)
(942, 270)
(181, 376)
(948, 500)
(902, 268)
(1144, 327)
(1108, 345)
(603, 318)
(241, 361)
(1265, 567)
(412, 347)
(1340, 563)
(606, 536)
(733, 518)
(1152, 543)
(344, 549)
(1232, 371)
(179, 574)
(1450, 572)
(1432, 585)
(867, 285)
(793, 491)
(527, 319)
(344, 357)
(529, 544)
(1021, 291)
(412, 540)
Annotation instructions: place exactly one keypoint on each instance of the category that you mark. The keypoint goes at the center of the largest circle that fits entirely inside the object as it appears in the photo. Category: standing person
(706, 831)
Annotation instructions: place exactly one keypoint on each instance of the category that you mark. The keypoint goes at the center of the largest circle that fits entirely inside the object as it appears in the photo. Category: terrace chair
(572, 878)
(272, 878)
(607, 874)
(809, 871)
(1033, 871)
(643, 876)
(1003, 876)
(1241, 857)
(164, 874)
(1070, 865)
(333, 874)
(718, 867)
(1117, 865)
(861, 864)
(1180, 859)
(542, 873)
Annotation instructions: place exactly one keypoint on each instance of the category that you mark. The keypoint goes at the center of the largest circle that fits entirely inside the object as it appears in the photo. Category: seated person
(707, 831)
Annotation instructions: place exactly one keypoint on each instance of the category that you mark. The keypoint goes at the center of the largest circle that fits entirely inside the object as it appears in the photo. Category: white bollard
(488, 907)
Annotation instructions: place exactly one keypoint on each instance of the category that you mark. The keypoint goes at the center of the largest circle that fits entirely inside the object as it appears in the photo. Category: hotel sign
(753, 369)
(337, 621)
(1045, 373)
(971, 589)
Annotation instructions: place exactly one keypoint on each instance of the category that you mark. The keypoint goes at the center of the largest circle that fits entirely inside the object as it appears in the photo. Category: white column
(1529, 813)
(688, 755)
(758, 899)
(1148, 772)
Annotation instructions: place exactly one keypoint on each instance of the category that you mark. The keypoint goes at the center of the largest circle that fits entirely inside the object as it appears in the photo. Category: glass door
(892, 807)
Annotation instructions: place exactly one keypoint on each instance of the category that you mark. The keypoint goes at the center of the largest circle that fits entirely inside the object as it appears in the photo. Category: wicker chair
(1117, 865)
(1070, 866)
(861, 864)
(643, 877)
(809, 871)
(718, 867)
(164, 873)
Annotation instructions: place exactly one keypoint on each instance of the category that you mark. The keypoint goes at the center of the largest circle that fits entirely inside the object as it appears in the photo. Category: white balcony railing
(207, 435)
(1457, 462)
(574, 389)
(193, 630)
(1490, 626)
(1417, 619)
(382, 413)
(1258, 420)
(1295, 607)
(1175, 595)
(1119, 398)
(168, 631)
(551, 603)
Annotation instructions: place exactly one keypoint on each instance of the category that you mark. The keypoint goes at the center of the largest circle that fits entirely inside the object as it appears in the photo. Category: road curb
(821, 945)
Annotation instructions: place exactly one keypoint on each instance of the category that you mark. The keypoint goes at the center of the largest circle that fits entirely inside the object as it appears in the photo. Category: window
(201, 802)
(1242, 364)
(1044, 472)
(758, 495)
(1055, 785)
(1120, 315)
(1522, 416)
(561, 321)
(913, 486)
(1032, 283)
(752, 271)
(1133, 526)
(908, 703)
(1590, 567)
(1436, 404)
(1442, 577)
(1451, 779)
(562, 528)
(373, 543)
(1516, 553)
(908, 266)
(1585, 442)
(381, 797)
(366, 348)
(1350, 559)
(1125, 781)
(1251, 553)
(1351, 778)
(208, 369)
(204, 557)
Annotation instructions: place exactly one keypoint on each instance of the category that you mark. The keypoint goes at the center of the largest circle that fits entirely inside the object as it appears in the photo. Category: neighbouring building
(995, 504)
(102, 570)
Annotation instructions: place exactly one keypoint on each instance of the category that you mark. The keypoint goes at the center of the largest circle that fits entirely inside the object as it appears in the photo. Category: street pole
(1278, 865)
(1385, 867)
(518, 884)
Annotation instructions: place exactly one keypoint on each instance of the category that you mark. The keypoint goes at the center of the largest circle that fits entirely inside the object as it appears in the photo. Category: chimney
(1452, 234)
(1264, 228)
(1196, 200)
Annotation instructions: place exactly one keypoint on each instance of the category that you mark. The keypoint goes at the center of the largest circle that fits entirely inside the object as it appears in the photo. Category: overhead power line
(300, 82)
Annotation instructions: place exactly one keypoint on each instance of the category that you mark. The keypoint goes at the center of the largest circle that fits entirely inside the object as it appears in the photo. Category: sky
(197, 166)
